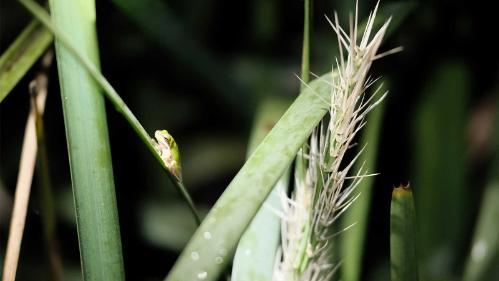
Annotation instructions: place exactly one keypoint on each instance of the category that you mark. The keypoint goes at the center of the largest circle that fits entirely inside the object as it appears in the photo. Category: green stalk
(301, 163)
(111, 94)
(21, 55)
(88, 144)
(403, 236)
(256, 251)
(305, 57)
(213, 244)
(352, 243)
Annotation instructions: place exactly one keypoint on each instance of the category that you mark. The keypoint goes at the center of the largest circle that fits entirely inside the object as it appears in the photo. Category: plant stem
(305, 58)
(111, 94)
(301, 163)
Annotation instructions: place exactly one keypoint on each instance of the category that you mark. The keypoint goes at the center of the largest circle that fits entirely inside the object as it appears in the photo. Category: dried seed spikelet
(326, 192)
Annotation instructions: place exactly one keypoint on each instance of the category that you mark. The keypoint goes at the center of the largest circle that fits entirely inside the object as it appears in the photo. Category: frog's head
(164, 138)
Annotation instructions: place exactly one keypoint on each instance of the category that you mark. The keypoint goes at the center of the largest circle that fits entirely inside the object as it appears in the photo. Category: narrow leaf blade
(403, 236)
(21, 55)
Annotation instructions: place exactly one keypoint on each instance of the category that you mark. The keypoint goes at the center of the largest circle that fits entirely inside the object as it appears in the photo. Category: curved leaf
(214, 243)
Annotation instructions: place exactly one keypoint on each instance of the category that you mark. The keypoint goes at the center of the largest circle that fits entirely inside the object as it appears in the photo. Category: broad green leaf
(213, 245)
(88, 144)
(256, 252)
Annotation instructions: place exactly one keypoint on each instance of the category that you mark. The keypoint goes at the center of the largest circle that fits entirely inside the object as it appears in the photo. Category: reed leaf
(88, 144)
(256, 251)
(214, 243)
(21, 55)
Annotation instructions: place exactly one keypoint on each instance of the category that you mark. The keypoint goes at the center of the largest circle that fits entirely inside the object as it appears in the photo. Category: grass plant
(303, 205)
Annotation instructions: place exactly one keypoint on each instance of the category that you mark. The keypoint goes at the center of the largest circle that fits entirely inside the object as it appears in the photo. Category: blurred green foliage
(440, 169)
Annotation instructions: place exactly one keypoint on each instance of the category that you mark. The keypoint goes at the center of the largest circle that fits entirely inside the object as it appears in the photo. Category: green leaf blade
(21, 55)
(88, 144)
(226, 222)
(256, 251)
(403, 236)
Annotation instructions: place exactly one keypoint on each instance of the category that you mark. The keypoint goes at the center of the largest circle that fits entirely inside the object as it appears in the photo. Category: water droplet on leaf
(195, 256)
(202, 275)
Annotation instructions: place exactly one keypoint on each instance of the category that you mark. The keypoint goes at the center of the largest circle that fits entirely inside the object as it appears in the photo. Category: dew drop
(247, 252)
(202, 275)
(207, 235)
(195, 256)
(222, 251)
(479, 250)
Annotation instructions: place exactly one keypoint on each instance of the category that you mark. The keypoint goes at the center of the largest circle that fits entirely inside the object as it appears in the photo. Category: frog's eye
(171, 141)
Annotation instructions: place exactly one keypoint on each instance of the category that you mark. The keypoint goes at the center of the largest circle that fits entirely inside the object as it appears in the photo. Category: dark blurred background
(199, 68)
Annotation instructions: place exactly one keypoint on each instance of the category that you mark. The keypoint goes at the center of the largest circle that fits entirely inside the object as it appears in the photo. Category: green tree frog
(168, 151)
